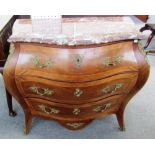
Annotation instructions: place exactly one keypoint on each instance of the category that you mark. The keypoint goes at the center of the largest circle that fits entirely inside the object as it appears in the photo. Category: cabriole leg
(28, 123)
(120, 119)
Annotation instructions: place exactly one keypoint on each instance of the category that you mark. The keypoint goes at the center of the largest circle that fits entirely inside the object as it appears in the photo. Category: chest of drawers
(75, 84)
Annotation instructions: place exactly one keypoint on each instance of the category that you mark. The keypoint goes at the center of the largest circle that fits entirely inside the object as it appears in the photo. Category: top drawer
(71, 93)
(75, 64)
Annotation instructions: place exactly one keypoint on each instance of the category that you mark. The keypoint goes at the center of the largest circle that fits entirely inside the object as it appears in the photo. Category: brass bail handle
(102, 108)
(112, 61)
(42, 92)
(49, 110)
(112, 89)
(107, 106)
(48, 62)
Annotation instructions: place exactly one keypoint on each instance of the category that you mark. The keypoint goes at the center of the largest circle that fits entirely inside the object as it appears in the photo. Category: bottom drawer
(63, 112)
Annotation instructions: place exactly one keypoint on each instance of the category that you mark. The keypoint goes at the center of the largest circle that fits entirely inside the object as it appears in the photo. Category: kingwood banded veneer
(76, 79)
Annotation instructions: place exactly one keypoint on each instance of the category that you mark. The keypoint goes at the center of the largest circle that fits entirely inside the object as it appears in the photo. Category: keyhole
(78, 60)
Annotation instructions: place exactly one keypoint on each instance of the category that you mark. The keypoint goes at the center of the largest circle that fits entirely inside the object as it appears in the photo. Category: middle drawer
(74, 93)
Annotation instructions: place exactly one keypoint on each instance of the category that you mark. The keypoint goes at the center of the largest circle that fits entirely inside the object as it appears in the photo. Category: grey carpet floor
(139, 119)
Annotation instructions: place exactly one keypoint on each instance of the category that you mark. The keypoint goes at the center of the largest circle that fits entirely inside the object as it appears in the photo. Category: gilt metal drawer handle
(49, 110)
(41, 91)
(112, 89)
(113, 61)
(48, 63)
(78, 92)
(102, 108)
(75, 125)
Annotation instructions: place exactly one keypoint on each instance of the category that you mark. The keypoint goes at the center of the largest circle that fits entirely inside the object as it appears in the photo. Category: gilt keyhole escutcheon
(76, 111)
(78, 60)
(78, 92)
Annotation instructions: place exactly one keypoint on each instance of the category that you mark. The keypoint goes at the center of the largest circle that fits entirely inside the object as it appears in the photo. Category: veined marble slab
(80, 31)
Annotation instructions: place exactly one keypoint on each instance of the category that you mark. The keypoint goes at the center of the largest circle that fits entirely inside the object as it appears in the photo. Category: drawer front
(64, 64)
(75, 92)
(57, 110)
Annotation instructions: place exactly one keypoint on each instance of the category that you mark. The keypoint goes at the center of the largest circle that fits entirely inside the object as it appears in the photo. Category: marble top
(79, 31)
